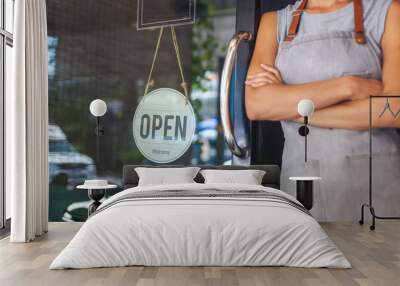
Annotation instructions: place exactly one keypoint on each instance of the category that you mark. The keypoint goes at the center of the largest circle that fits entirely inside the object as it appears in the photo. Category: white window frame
(6, 39)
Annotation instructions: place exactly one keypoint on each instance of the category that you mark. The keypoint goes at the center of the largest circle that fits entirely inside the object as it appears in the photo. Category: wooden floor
(375, 257)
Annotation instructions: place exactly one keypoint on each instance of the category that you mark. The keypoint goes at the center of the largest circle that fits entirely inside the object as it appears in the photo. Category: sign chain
(150, 81)
(178, 57)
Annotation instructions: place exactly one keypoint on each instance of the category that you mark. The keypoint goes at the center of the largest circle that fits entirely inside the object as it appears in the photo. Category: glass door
(100, 53)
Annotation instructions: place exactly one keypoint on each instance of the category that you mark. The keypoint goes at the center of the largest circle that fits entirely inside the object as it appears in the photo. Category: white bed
(185, 230)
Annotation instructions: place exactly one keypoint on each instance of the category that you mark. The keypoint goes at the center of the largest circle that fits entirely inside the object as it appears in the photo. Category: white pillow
(166, 176)
(248, 177)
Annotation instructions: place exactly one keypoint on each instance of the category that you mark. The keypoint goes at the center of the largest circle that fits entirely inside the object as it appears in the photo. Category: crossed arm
(341, 102)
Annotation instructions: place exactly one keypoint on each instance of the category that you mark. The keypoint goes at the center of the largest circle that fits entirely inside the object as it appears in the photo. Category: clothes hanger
(388, 107)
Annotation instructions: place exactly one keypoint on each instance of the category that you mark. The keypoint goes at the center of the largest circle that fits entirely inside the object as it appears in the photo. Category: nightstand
(304, 190)
(96, 192)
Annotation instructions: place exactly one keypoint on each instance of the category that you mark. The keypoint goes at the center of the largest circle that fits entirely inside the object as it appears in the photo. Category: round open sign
(163, 125)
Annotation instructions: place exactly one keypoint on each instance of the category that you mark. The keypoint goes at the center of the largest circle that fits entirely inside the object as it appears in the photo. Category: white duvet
(200, 231)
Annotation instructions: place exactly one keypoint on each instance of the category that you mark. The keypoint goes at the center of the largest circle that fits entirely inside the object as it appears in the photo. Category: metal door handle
(225, 93)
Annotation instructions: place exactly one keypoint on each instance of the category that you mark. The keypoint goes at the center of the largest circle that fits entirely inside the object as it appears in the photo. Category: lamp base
(96, 195)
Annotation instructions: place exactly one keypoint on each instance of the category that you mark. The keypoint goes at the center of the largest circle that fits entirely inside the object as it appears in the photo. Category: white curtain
(27, 123)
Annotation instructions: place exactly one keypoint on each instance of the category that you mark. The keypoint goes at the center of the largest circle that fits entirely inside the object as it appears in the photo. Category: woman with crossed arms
(336, 53)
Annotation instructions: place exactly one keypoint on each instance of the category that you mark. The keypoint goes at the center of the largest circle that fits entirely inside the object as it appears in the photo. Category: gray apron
(339, 156)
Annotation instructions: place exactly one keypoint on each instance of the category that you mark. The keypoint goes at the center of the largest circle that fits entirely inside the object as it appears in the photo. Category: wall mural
(106, 53)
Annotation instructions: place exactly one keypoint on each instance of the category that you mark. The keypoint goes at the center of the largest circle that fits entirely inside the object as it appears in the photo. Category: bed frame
(271, 178)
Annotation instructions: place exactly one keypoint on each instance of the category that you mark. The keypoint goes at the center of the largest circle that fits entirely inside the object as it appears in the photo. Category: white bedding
(200, 231)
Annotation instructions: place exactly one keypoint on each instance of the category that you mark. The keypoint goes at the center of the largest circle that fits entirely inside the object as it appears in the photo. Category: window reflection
(98, 53)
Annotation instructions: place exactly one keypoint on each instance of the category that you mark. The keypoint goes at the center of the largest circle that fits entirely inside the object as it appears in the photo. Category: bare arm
(265, 102)
(355, 114)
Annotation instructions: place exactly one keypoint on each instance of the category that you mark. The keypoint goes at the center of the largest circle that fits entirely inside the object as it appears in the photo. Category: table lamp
(98, 108)
(305, 108)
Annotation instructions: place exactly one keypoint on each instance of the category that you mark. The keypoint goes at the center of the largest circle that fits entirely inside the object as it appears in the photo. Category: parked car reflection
(67, 167)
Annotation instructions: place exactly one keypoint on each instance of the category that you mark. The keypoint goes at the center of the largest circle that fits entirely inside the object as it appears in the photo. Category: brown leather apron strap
(294, 25)
(358, 21)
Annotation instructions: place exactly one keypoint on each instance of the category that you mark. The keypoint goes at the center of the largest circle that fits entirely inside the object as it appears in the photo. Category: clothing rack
(370, 202)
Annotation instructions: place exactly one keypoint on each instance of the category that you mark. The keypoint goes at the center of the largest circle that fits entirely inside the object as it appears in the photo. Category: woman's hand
(269, 75)
(362, 88)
